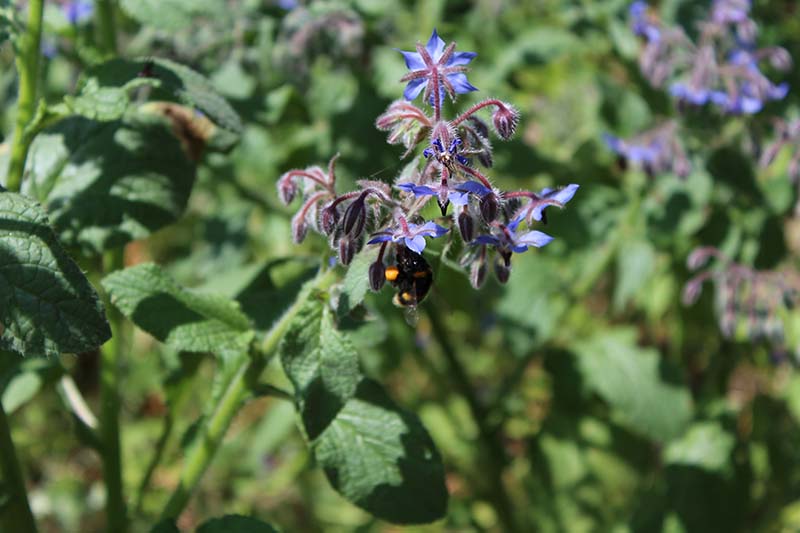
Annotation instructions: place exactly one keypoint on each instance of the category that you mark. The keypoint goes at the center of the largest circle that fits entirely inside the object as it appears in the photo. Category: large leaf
(171, 15)
(630, 379)
(47, 305)
(171, 81)
(107, 183)
(235, 524)
(183, 319)
(376, 455)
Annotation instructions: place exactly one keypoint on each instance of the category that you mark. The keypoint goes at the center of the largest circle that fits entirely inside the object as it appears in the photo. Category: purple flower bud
(477, 273)
(328, 219)
(691, 291)
(377, 275)
(346, 250)
(287, 190)
(502, 270)
(355, 217)
(505, 120)
(700, 257)
(299, 227)
(466, 225)
(489, 206)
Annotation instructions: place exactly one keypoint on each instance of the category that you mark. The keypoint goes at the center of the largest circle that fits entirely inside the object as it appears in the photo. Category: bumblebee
(411, 276)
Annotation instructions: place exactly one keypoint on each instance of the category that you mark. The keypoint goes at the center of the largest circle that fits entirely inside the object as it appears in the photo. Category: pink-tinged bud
(377, 275)
(489, 206)
(691, 291)
(287, 189)
(699, 257)
(355, 216)
(299, 228)
(477, 273)
(466, 226)
(328, 219)
(346, 250)
(502, 270)
(505, 120)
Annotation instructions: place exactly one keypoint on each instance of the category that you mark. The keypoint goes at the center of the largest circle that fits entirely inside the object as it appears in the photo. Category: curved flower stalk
(489, 221)
(722, 68)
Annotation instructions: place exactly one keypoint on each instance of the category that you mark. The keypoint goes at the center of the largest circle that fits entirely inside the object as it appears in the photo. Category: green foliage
(235, 524)
(181, 318)
(375, 454)
(107, 183)
(47, 305)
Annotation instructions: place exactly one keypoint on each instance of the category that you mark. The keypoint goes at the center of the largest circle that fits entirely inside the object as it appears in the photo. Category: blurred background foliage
(586, 390)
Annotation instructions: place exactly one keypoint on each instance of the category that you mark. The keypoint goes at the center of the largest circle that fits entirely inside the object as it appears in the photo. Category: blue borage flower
(412, 235)
(77, 11)
(436, 64)
(508, 239)
(656, 150)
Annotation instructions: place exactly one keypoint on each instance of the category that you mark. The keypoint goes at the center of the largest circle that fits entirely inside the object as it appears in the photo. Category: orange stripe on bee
(392, 273)
(421, 274)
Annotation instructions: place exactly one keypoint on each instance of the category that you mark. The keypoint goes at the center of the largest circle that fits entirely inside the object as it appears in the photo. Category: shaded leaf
(47, 305)
(182, 318)
(705, 445)
(235, 524)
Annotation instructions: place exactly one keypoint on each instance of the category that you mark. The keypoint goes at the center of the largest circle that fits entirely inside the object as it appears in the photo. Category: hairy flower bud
(477, 273)
(346, 250)
(466, 226)
(299, 227)
(502, 270)
(505, 120)
(489, 206)
(328, 219)
(287, 190)
(354, 217)
(377, 275)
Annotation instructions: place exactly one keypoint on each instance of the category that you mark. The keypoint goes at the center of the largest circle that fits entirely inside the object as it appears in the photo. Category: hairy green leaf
(376, 455)
(182, 318)
(630, 379)
(47, 305)
(107, 183)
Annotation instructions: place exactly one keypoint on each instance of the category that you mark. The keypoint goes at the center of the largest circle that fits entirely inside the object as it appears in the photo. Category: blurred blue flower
(730, 11)
(640, 23)
(507, 239)
(412, 235)
(436, 60)
(639, 153)
(77, 11)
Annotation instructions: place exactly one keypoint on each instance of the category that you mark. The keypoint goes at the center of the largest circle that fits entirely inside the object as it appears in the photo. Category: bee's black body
(412, 277)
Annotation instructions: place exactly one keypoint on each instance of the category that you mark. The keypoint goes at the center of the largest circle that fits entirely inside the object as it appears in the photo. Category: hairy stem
(16, 511)
(110, 360)
(237, 391)
(493, 450)
(106, 27)
(28, 68)
(477, 107)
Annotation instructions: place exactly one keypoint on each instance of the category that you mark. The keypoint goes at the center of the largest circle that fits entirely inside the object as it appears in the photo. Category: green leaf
(181, 318)
(47, 305)
(629, 378)
(171, 15)
(98, 103)
(635, 265)
(376, 455)
(356, 280)
(705, 445)
(165, 526)
(235, 524)
(21, 379)
(107, 183)
(170, 81)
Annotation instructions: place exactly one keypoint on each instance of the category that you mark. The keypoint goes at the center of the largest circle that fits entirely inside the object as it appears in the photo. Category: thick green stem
(106, 27)
(28, 69)
(16, 515)
(493, 451)
(237, 390)
(110, 360)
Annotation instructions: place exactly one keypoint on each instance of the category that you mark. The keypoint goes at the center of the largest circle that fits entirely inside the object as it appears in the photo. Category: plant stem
(16, 510)
(107, 29)
(237, 391)
(28, 68)
(493, 450)
(110, 360)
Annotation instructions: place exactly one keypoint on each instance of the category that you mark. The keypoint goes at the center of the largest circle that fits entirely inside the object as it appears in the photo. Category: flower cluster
(721, 68)
(491, 222)
(655, 151)
(756, 299)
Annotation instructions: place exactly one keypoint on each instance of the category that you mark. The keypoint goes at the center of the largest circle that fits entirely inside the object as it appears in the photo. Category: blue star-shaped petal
(435, 61)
